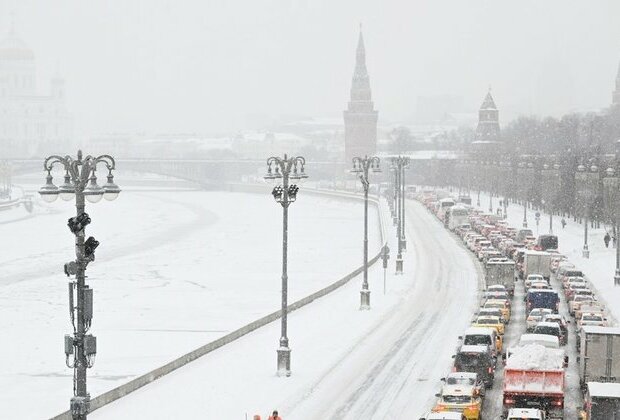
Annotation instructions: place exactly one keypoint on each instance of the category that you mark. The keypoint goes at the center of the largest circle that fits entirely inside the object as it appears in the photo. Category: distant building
(616, 94)
(30, 124)
(488, 121)
(360, 118)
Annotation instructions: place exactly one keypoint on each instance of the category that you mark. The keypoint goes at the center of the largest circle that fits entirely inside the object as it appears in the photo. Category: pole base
(617, 279)
(524, 224)
(585, 253)
(284, 361)
(364, 300)
(403, 245)
(399, 264)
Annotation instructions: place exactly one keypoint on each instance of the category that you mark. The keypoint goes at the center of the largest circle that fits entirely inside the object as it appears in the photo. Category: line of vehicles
(533, 384)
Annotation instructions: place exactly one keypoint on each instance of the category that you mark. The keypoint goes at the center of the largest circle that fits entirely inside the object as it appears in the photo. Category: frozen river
(174, 270)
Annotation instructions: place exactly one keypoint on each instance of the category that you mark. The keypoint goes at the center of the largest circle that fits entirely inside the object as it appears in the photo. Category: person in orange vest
(274, 416)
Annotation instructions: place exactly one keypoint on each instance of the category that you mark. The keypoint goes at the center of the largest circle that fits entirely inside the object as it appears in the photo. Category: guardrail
(137, 383)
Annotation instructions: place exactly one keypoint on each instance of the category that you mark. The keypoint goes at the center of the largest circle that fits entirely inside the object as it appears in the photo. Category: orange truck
(534, 378)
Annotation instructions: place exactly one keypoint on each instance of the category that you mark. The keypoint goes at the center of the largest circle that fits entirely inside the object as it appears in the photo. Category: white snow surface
(535, 357)
(174, 271)
(346, 363)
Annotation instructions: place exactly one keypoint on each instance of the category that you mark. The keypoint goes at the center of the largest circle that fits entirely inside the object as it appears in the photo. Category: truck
(534, 378)
(537, 262)
(456, 216)
(542, 298)
(501, 272)
(599, 354)
(601, 401)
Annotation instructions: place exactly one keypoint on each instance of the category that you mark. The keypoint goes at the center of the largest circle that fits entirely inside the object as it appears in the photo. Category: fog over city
(220, 66)
(310, 209)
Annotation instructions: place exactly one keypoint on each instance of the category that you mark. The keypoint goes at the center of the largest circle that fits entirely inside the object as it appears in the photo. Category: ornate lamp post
(587, 182)
(522, 172)
(285, 194)
(399, 164)
(80, 183)
(361, 167)
(611, 185)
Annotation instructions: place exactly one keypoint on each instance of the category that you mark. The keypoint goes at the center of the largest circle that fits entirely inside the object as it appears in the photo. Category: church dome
(13, 48)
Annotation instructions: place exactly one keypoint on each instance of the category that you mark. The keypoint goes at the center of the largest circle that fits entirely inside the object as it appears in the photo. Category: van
(476, 359)
(475, 336)
(545, 242)
(542, 298)
(523, 233)
(446, 415)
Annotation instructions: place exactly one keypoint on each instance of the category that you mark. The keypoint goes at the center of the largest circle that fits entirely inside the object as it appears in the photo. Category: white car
(536, 315)
(592, 318)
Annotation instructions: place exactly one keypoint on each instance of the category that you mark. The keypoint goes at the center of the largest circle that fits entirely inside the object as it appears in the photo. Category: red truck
(534, 378)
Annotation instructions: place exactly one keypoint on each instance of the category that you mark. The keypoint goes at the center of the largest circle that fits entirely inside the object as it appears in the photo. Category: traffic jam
(541, 345)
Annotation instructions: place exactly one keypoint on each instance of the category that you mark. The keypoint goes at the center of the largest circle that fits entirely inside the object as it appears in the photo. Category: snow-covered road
(347, 364)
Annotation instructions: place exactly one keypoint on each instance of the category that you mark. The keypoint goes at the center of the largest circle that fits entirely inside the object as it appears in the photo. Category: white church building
(31, 125)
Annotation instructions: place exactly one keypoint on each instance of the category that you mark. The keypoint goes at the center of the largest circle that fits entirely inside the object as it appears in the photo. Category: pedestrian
(563, 223)
(606, 238)
(274, 416)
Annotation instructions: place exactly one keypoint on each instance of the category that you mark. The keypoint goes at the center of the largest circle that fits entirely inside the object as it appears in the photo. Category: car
(478, 336)
(497, 287)
(549, 328)
(535, 316)
(465, 378)
(539, 285)
(461, 398)
(588, 307)
(562, 323)
(571, 272)
(533, 278)
(496, 294)
(491, 312)
(487, 321)
(572, 288)
(592, 318)
(476, 359)
(577, 301)
(504, 305)
(573, 280)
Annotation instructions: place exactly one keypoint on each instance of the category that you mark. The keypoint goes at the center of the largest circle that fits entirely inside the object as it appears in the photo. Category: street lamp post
(285, 194)
(587, 182)
(398, 165)
(361, 167)
(80, 182)
(611, 184)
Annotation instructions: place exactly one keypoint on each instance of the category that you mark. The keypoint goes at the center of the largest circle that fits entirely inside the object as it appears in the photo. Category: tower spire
(360, 118)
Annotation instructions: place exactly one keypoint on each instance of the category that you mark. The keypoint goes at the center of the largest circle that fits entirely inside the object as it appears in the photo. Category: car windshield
(488, 321)
(546, 330)
(591, 318)
(457, 399)
(494, 305)
(476, 340)
(461, 381)
(470, 359)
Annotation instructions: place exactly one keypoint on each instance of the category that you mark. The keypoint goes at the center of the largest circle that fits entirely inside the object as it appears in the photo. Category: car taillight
(509, 401)
(558, 403)
(490, 370)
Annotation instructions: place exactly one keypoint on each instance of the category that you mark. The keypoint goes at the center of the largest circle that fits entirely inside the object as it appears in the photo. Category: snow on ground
(346, 363)
(599, 268)
(174, 271)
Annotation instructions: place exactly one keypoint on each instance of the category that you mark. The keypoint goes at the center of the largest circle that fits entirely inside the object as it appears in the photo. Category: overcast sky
(218, 66)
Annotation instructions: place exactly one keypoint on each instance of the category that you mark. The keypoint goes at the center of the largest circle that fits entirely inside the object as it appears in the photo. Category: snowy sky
(209, 65)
